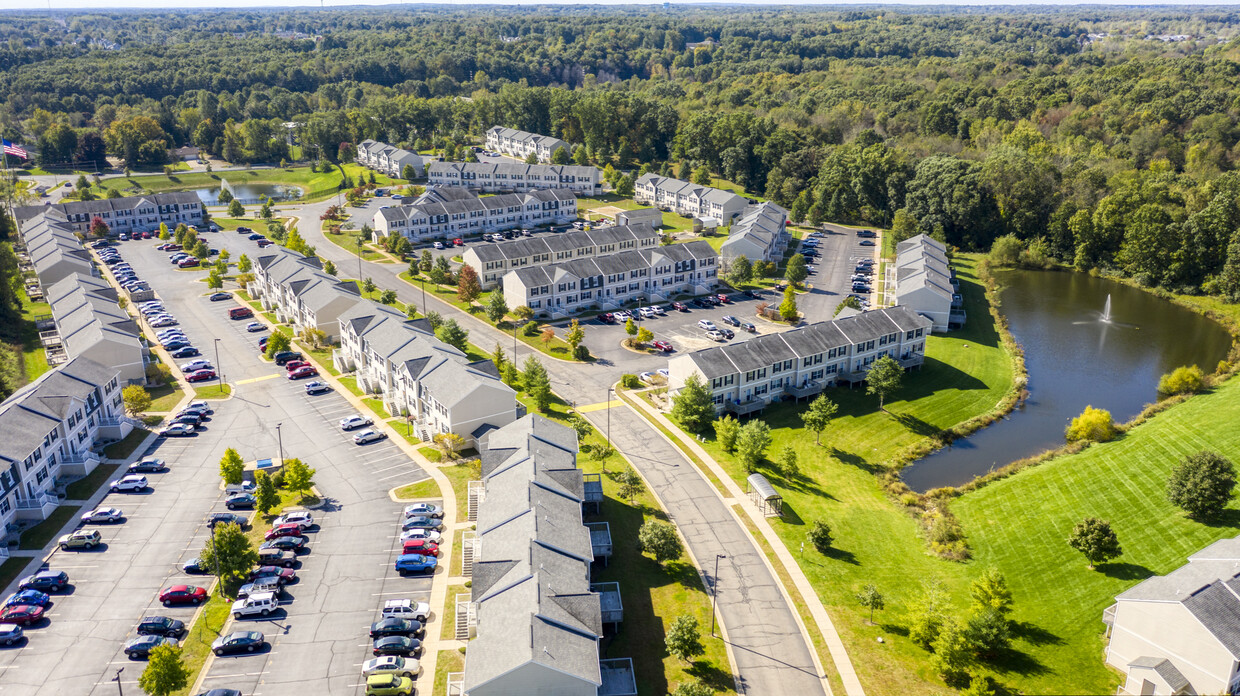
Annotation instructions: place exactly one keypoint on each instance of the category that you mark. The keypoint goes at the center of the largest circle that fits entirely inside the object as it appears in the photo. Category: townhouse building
(926, 283)
(54, 248)
(509, 177)
(688, 199)
(90, 323)
(475, 215)
(51, 427)
(654, 275)
(493, 261)
(744, 377)
(435, 386)
(517, 143)
(300, 293)
(759, 235)
(389, 159)
(128, 214)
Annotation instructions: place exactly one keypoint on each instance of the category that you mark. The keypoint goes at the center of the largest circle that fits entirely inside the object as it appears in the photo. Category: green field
(314, 185)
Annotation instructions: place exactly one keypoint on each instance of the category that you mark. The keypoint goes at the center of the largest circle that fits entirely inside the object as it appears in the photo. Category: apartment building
(688, 199)
(746, 376)
(493, 261)
(50, 428)
(520, 144)
(389, 159)
(759, 235)
(300, 293)
(1180, 633)
(90, 323)
(54, 248)
(508, 177)
(653, 275)
(129, 214)
(448, 219)
(420, 377)
(925, 282)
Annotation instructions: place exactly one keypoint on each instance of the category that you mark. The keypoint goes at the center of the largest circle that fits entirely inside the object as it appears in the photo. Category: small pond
(1076, 358)
(250, 194)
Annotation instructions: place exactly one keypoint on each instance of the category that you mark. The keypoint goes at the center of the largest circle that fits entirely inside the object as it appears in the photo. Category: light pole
(117, 679)
(425, 309)
(608, 405)
(714, 592)
(359, 257)
(514, 341)
(280, 441)
(218, 367)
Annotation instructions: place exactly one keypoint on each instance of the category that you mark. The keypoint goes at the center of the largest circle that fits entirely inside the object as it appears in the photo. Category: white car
(195, 365)
(254, 326)
(103, 515)
(406, 609)
(165, 321)
(647, 377)
(420, 533)
(392, 664)
(707, 324)
(201, 406)
(647, 312)
(658, 310)
(368, 435)
(716, 336)
(354, 422)
(301, 518)
(133, 482)
(663, 372)
(438, 245)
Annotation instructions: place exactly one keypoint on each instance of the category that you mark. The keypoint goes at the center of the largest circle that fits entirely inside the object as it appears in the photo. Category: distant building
(508, 177)
(389, 159)
(492, 261)
(90, 323)
(300, 293)
(760, 235)
(132, 213)
(432, 217)
(688, 199)
(1180, 633)
(925, 282)
(708, 42)
(641, 216)
(520, 143)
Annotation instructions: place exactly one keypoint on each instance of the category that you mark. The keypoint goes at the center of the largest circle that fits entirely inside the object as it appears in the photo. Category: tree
(927, 613)
(200, 250)
(228, 552)
(580, 156)
(851, 301)
(579, 425)
(693, 407)
(298, 477)
(523, 312)
(788, 308)
(659, 539)
(244, 264)
(560, 156)
(630, 327)
(631, 485)
(454, 335)
(727, 428)
(701, 176)
(820, 536)
(137, 399)
(740, 271)
(215, 281)
(990, 592)
(883, 378)
(468, 286)
(1202, 484)
(980, 686)
(576, 333)
(870, 598)
(952, 651)
(165, 673)
(796, 272)
(788, 466)
(434, 320)
(818, 416)
(266, 496)
(427, 261)
(536, 382)
(987, 632)
(449, 444)
(1006, 250)
(99, 228)
(387, 297)
(232, 468)
(751, 443)
(277, 343)
(163, 231)
(235, 209)
(1096, 540)
(684, 638)
(496, 307)
(692, 688)
(547, 336)
(368, 285)
(531, 158)
(624, 186)
(1182, 380)
(1093, 424)
(408, 173)
(644, 336)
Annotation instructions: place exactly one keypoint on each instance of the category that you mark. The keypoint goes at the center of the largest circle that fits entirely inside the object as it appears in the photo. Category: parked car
(131, 482)
(406, 609)
(141, 646)
(200, 376)
(32, 597)
(715, 336)
(195, 566)
(81, 539)
(227, 518)
(304, 520)
(254, 327)
(317, 387)
(260, 603)
(284, 357)
(438, 245)
(185, 352)
(45, 581)
(240, 313)
(729, 319)
(303, 372)
(867, 242)
(183, 594)
(707, 324)
(458, 242)
(727, 333)
(186, 419)
(103, 515)
(396, 627)
(161, 626)
(746, 326)
(420, 533)
(391, 664)
(260, 585)
(397, 645)
(188, 263)
(285, 543)
(647, 312)
(607, 318)
(368, 435)
(220, 296)
(11, 633)
(240, 501)
(423, 522)
(423, 509)
(424, 547)
(22, 614)
(195, 365)
(352, 422)
(238, 641)
(276, 557)
(723, 299)
(177, 430)
(680, 306)
(663, 346)
(283, 575)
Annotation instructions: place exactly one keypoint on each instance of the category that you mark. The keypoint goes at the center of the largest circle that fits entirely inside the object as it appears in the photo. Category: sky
(65, 5)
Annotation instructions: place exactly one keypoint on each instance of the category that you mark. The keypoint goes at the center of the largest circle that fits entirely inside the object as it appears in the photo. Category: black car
(150, 465)
(255, 236)
(177, 345)
(187, 419)
(240, 641)
(141, 647)
(285, 543)
(220, 296)
(395, 627)
(729, 319)
(243, 501)
(397, 645)
(284, 357)
(225, 518)
(244, 230)
(44, 581)
(728, 333)
(161, 626)
(195, 566)
(186, 352)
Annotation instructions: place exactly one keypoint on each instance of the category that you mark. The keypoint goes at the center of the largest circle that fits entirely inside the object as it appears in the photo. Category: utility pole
(609, 391)
(280, 440)
(359, 257)
(117, 679)
(218, 367)
(714, 592)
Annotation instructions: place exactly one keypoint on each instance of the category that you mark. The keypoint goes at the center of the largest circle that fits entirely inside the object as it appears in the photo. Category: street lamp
(424, 307)
(280, 440)
(219, 368)
(117, 679)
(359, 257)
(608, 405)
(714, 592)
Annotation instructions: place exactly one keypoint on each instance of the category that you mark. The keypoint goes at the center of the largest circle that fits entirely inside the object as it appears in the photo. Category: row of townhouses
(744, 377)
(493, 261)
(429, 218)
(520, 144)
(54, 248)
(926, 283)
(515, 177)
(132, 213)
(89, 322)
(51, 427)
(538, 618)
(400, 361)
(759, 235)
(606, 282)
(389, 159)
(689, 199)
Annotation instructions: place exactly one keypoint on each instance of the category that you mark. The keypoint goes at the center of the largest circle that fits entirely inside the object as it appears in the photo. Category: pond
(1076, 358)
(250, 193)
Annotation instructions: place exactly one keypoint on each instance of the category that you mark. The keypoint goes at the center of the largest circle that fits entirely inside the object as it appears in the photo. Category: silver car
(368, 435)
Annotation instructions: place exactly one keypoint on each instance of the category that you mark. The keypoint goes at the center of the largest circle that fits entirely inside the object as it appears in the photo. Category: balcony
(912, 360)
(456, 684)
(609, 601)
(37, 508)
(810, 388)
(593, 488)
(744, 408)
(600, 540)
(618, 677)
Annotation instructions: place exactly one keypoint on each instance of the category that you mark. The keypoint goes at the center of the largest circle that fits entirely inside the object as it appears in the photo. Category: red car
(425, 547)
(188, 263)
(723, 299)
(174, 247)
(294, 364)
(458, 242)
(200, 376)
(183, 594)
(607, 318)
(283, 575)
(663, 346)
(302, 372)
(292, 529)
(680, 306)
(24, 614)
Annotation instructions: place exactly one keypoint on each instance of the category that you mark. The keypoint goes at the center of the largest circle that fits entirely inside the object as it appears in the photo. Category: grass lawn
(34, 358)
(460, 475)
(123, 448)
(39, 535)
(448, 661)
(314, 185)
(322, 356)
(350, 383)
(449, 610)
(165, 397)
(377, 406)
(197, 644)
(213, 391)
(432, 454)
(83, 488)
(420, 490)
(10, 569)
(347, 240)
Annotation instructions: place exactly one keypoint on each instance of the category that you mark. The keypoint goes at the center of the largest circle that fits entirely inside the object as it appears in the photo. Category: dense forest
(1105, 138)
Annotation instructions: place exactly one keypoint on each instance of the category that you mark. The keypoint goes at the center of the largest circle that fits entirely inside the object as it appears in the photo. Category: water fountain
(1106, 310)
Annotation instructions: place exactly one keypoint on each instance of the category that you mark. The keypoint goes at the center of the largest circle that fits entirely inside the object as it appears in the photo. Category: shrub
(820, 536)
(1182, 380)
(1094, 424)
(581, 353)
(530, 328)
(630, 382)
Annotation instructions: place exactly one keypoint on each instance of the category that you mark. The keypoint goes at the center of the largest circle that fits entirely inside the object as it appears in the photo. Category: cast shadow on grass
(1229, 518)
(854, 460)
(711, 675)
(914, 424)
(1034, 634)
(1125, 571)
(1011, 661)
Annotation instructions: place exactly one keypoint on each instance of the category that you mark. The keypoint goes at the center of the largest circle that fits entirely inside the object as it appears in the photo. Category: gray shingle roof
(31, 412)
(1217, 607)
(1174, 678)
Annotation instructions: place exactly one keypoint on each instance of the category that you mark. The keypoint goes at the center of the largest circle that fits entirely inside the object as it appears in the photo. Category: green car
(81, 539)
(388, 685)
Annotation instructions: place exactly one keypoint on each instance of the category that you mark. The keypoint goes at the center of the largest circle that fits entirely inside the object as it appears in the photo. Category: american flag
(11, 149)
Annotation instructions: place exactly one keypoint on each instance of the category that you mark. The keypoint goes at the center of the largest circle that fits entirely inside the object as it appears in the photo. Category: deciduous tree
(496, 307)
(883, 378)
(232, 468)
(788, 308)
(165, 672)
(870, 598)
(751, 443)
(727, 428)
(659, 539)
(693, 407)
(820, 536)
(1095, 539)
(1202, 484)
(298, 477)
(228, 552)
(137, 399)
(266, 497)
(1094, 424)
(684, 638)
(818, 416)
(468, 287)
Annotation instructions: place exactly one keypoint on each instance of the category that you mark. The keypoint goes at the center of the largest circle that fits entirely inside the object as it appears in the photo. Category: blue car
(415, 563)
(34, 597)
(45, 581)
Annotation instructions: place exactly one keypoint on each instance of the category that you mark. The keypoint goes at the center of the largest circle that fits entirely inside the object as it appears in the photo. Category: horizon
(61, 6)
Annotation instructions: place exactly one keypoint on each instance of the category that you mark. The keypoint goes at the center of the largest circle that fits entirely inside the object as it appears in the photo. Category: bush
(820, 536)
(1094, 424)
(1202, 484)
(1182, 380)
(581, 353)
(630, 382)
(530, 328)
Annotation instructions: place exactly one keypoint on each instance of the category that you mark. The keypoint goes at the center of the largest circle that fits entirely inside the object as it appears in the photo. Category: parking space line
(257, 379)
(396, 475)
